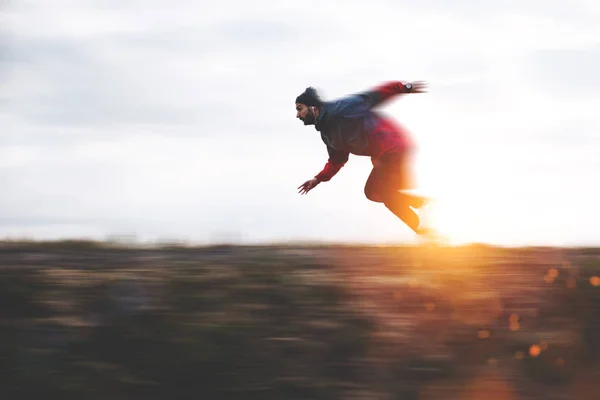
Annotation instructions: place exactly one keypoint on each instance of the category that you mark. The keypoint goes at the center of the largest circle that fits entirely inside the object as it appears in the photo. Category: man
(351, 126)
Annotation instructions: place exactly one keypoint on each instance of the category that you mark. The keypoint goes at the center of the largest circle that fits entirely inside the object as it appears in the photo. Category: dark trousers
(392, 173)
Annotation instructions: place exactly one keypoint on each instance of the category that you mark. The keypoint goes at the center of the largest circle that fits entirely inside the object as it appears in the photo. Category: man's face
(304, 114)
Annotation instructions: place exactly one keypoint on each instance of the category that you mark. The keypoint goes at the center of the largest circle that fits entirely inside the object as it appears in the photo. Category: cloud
(475, 9)
(568, 72)
(64, 83)
(177, 119)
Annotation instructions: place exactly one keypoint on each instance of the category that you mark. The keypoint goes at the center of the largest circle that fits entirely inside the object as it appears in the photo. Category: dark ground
(87, 321)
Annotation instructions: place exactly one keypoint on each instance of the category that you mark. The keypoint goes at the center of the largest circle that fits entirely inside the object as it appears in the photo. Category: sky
(176, 121)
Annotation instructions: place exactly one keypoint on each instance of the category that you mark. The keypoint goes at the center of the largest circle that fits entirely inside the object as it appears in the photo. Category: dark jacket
(351, 126)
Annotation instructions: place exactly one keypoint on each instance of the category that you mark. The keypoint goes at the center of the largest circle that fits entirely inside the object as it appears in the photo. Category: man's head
(306, 103)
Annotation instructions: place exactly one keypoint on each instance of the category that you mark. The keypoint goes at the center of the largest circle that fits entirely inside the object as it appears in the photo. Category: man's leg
(400, 206)
(389, 175)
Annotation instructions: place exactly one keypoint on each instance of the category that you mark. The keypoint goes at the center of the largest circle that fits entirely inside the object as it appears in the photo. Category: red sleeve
(331, 168)
(387, 90)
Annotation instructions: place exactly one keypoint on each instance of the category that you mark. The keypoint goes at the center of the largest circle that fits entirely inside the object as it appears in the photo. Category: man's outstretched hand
(308, 185)
(419, 87)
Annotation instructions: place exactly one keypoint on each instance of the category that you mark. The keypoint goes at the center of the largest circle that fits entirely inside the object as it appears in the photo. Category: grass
(92, 320)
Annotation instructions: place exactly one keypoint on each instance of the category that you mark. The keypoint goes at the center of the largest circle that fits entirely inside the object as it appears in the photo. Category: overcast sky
(175, 119)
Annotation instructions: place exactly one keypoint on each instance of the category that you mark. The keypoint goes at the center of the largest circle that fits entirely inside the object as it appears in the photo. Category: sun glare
(464, 208)
(446, 218)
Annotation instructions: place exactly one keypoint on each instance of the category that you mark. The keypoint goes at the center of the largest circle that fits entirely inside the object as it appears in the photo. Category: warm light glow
(535, 350)
(445, 218)
(460, 211)
(483, 334)
(459, 217)
(489, 386)
(513, 322)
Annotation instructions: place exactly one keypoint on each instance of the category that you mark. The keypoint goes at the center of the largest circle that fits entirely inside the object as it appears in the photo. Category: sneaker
(417, 201)
(422, 201)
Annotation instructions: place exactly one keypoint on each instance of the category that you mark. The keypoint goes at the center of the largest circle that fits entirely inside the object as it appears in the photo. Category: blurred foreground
(97, 322)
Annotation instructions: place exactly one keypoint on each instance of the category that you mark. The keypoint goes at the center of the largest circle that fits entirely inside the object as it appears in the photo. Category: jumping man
(350, 125)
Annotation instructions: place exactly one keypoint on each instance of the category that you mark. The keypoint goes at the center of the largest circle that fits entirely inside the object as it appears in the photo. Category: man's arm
(337, 159)
(388, 90)
(357, 105)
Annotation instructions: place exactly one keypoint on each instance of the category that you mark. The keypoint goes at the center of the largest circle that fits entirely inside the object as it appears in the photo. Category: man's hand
(308, 185)
(418, 87)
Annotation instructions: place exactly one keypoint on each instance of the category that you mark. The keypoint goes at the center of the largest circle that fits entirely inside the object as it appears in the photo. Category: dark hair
(310, 97)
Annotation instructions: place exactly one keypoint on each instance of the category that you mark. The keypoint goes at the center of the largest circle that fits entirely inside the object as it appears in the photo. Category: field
(96, 321)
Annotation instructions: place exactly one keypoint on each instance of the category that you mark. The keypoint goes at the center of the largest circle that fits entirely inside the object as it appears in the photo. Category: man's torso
(364, 133)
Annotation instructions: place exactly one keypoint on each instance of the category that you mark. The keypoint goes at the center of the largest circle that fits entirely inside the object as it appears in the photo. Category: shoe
(426, 232)
(421, 201)
(415, 201)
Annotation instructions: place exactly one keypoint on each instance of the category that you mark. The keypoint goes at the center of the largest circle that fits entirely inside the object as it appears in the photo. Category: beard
(309, 119)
